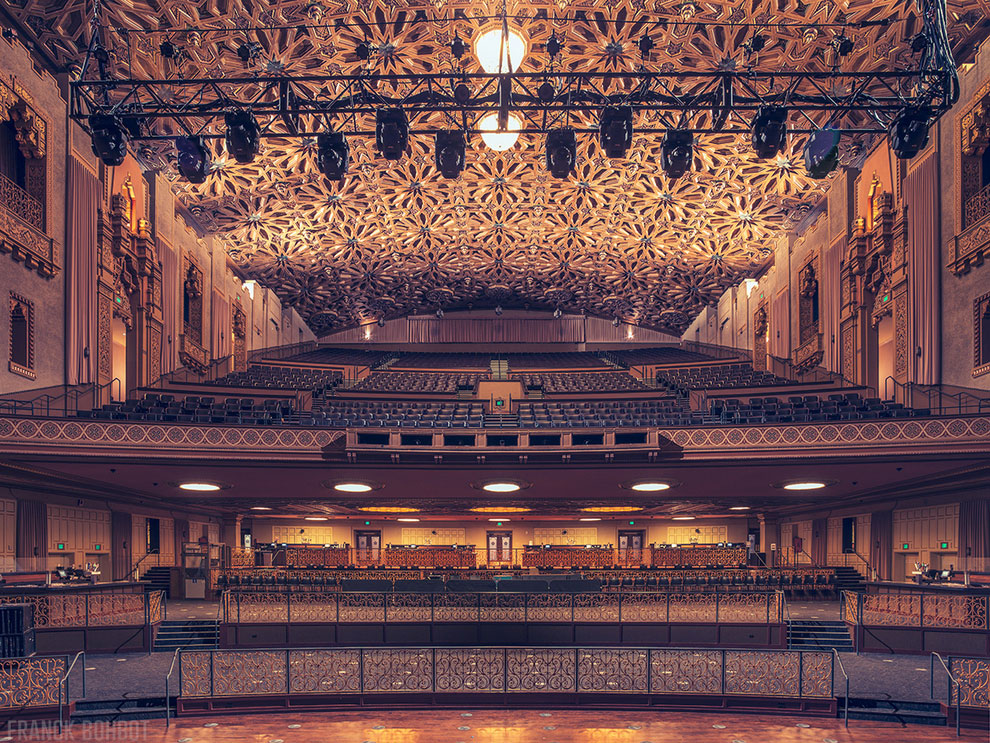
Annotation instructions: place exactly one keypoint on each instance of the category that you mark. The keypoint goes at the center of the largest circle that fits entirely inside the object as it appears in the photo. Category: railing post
(86, 609)
(288, 670)
(717, 601)
(800, 673)
(921, 610)
(288, 605)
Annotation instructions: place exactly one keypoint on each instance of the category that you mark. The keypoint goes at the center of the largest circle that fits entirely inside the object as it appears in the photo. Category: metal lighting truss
(716, 101)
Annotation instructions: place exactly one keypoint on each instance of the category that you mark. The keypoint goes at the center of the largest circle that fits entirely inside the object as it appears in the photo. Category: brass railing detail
(94, 609)
(21, 203)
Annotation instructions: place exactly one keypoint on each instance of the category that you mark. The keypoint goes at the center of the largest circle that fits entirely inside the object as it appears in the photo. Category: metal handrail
(948, 688)
(845, 712)
(45, 403)
(168, 677)
(64, 683)
(964, 401)
(134, 570)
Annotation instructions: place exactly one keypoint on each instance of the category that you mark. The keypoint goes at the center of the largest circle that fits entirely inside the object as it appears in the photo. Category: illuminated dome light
(315, 518)
(590, 518)
(683, 518)
(352, 487)
(199, 487)
(502, 487)
(497, 139)
(501, 521)
(811, 485)
(487, 48)
(408, 520)
(388, 509)
(500, 509)
(611, 509)
(650, 487)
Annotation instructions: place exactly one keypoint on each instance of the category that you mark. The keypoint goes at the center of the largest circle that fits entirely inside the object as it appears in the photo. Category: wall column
(120, 544)
(31, 550)
(770, 534)
(230, 532)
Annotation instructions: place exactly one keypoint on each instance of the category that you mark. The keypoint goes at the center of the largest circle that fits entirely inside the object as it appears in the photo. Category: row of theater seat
(417, 382)
(722, 376)
(283, 378)
(343, 356)
(369, 413)
(195, 409)
(659, 355)
(611, 413)
(557, 382)
(793, 582)
(810, 409)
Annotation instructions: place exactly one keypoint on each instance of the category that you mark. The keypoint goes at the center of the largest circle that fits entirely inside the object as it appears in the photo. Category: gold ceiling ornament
(397, 230)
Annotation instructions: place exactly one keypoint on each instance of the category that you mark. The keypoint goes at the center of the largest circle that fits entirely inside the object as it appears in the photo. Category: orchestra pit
(497, 372)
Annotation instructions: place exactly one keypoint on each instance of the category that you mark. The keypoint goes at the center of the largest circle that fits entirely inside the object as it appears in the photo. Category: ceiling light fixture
(561, 152)
(500, 520)
(109, 139)
(611, 509)
(199, 487)
(353, 487)
(739, 508)
(683, 518)
(769, 131)
(192, 158)
(590, 518)
(810, 485)
(500, 50)
(243, 135)
(391, 132)
(260, 508)
(408, 520)
(500, 509)
(388, 509)
(501, 487)
(332, 155)
(315, 518)
(650, 487)
(498, 138)
(450, 153)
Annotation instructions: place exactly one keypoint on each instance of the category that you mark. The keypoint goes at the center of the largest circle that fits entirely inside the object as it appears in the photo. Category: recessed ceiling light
(501, 487)
(590, 518)
(316, 518)
(260, 508)
(739, 508)
(810, 485)
(650, 487)
(501, 521)
(388, 509)
(683, 518)
(199, 487)
(611, 509)
(500, 509)
(353, 487)
(408, 520)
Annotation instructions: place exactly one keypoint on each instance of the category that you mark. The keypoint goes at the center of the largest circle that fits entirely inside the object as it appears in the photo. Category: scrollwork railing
(21, 203)
(31, 682)
(927, 610)
(363, 671)
(93, 609)
(973, 675)
(977, 208)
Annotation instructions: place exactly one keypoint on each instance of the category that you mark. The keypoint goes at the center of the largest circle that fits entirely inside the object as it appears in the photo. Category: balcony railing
(977, 208)
(21, 203)
(93, 609)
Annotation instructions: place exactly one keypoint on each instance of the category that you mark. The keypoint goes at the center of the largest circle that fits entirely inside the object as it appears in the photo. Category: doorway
(499, 547)
(885, 355)
(369, 547)
(849, 535)
(153, 543)
(119, 339)
(631, 547)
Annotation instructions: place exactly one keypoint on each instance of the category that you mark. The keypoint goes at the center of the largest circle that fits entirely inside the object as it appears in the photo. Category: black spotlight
(561, 152)
(615, 129)
(109, 139)
(457, 47)
(391, 132)
(558, 313)
(546, 92)
(439, 314)
(381, 322)
(821, 154)
(769, 130)
(676, 153)
(193, 158)
(646, 45)
(243, 135)
(553, 46)
(919, 42)
(450, 153)
(363, 50)
(248, 51)
(332, 155)
(167, 49)
(462, 94)
(615, 322)
(909, 132)
(498, 309)
(843, 45)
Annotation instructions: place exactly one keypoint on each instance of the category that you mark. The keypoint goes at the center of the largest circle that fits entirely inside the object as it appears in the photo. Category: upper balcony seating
(342, 356)
(389, 413)
(810, 409)
(440, 361)
(662, 355)
(417, 382)
(612, 413)
(721, 376)
(196, 409)
(557, 360)
(558, 382)
(282, 378)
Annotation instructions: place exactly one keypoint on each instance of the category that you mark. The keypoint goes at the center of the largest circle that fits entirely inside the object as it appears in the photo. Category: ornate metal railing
(94, 609)
(977, 207)
(973, 675)
(494, 670)
(31, 682)
(929, 610)
(747, 607)
(21, 203)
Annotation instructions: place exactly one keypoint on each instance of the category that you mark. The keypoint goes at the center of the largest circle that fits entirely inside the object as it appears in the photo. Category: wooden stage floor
(499, 726)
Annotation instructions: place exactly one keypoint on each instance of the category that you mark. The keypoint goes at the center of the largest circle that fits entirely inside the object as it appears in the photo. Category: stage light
(381, 322)
(457, 47)
(498, 309)
(439, 314)
(168, 50)
(769, 131)
(499, 139)
(615, 130)
(561, 152)
(546, 92)
(109, 139)
(391, 132)
(615, 322)
(909, 132)
(450, 153)
(918, 43)
(821, 153)
(558, 313)
(363, 50)
(676, 153)
(554, 46)
(500, 53)
(243, 135)
(332, 155)
(756, 44)
(192, 158)
(843, 45)
(462, 94)
(645, 46)
(248, 51)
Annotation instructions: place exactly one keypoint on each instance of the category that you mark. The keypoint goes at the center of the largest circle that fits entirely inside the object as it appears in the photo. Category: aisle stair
(501, 420)
(815, 634)
(158, 579)
(883, 710)
(848, 579)
(198, 634)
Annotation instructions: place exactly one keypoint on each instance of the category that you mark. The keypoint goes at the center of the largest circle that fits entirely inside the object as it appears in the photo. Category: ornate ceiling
(619, 238)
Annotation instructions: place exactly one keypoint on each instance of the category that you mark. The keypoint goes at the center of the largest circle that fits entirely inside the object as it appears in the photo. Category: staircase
(157, 579)
(118, 710)
(501, 420)
(848, 579)
(499, 368)
(813, 634)
(199, 634)
(883, 710)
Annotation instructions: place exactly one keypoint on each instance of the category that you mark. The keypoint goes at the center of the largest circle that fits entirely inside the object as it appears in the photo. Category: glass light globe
(488, 45)
(499, 139)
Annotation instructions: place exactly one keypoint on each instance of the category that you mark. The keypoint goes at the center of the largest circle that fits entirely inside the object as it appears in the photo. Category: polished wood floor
(500, 726)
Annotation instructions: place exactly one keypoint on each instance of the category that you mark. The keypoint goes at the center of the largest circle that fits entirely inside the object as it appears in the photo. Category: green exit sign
(98, 547)
(944, 545)
(905, 546)
(60, 547)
